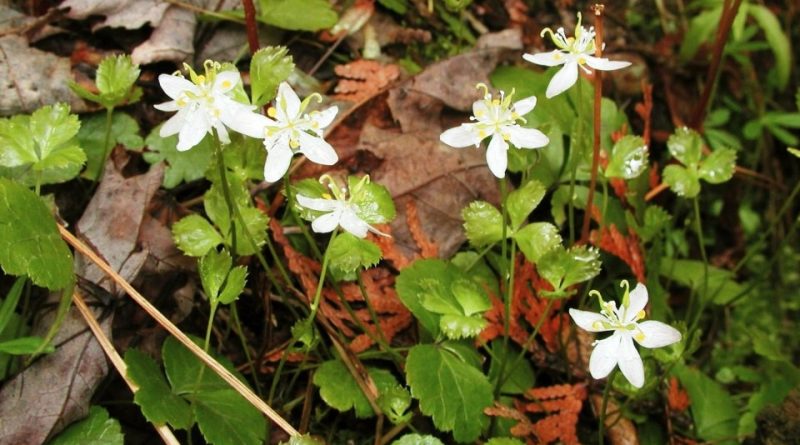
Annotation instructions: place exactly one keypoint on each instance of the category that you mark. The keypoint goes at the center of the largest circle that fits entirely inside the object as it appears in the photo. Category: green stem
(574, 153)
(209, 326)
(502, 378)
(321, 284)
(693, 316)
(106, 141)
(601, 427)
(290, 206)
(237, 327)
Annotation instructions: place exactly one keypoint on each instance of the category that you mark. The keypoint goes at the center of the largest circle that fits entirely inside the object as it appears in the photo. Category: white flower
(619, 347)
(292, 132)
(340, 210)
(497, 118)
(572, 52)
(205, 103)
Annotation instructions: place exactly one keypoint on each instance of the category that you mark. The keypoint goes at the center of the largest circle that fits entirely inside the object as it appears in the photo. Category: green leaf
(521, 202)
(518, 379)
(778, 42)
(195, 236)
(254, 220)
(562, 268)
(97, 429)
(504, 441)
(685, 145)
(9, 304)
(701, 29)
(713, 410)
(124, 131)
(412, 286)
(535, 240)
(395, 403)
(718, 166)
(656, 219)
(398, 6)
(338, 388)
(158, 403)
(416, 439)
(182, 166)
(794, 151)
(116, 76)
(221, 283)
(449, 390)
(483, 223)
(628, 158)
(234, 286)
(373, 202)
(25, 345)
(298, 15)
(268, 68)
(348, 253)
(29, 240)
(226, 418)
(720, 287)
(684, 182)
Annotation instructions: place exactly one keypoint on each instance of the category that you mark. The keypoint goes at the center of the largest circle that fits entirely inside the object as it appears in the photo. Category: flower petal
(171, 105)
(604, 356)
(226, 81)
(317, 150)
(638, 300)
(564, 78)
(279, 156)
(480, 110)
(173, 86)
(174, 124)
(524, 106)
(353, 224)
(326, 223)
(604, 64)
(655, 334)
(552, 58)
(497, 156)
(523, 137)
(194, 129)
(287, 103)
(241, 119)
(630, 363)
(588, 321)
(462, 136)
(324, 118)
(318, 204)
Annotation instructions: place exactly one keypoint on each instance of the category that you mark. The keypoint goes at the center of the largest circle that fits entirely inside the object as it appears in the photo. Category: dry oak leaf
(619, 429)
(363, 79)
(129, 14)
(172, 40)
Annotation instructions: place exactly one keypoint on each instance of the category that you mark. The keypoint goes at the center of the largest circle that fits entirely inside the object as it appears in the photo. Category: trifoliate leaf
(234, 286)
(459, 301)
(348, 253)
(457, 326)
(718, 166)
(471, 298)
(298, 15)
(116, 76)
(562, 268)
(683, 181)
(534, 240)
(97, 429)
(268, 68)
(395, 403)
(29, 240)
(158, 403)
(221, 283)
(41, 148)
(655, 220)
(521, 202)
(483, 223)
(412, 287)
(226, 418)
(518, 379)
(449, 390)
(244, 158)
(182, 166)
(339, 390)
(255, 221)
(628, 158)
(373, 201)
(124, 131)
(685, 145)
(416, 439)
(195, 236)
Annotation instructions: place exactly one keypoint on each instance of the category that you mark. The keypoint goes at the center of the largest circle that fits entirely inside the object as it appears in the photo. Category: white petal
(277, 164)
(226, 81)
(553, 58)
(317, 150)
(588, 321)
(353, 224)
(174, 124)
(630, 363)
(326, 223)
(604, 64)
(462, 136)
(288, 104)
(497, 156)
(194, 129)
(604, 356)
(525, 106)
(222, 132)
(175, 85)
(324, 117)
(242, 120)
(526, 137)
(318, 204)
(480, 110)
(655, 334)
(171, 105)
(564, 78)
(638, 300)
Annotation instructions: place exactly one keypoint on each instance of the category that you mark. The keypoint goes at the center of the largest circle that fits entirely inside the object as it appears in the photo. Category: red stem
(598, 96)
(250, 25)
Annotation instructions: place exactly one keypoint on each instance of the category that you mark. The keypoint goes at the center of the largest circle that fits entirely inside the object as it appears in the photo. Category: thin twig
(151, 310)
(116, 360)
(250, 25)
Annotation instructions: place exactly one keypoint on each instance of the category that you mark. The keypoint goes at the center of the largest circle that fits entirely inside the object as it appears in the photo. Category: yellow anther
(641, 315)
(639, 337)
(294, 143)
(327, 196)
(226, 84)
(272, 112)
(581, 60)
